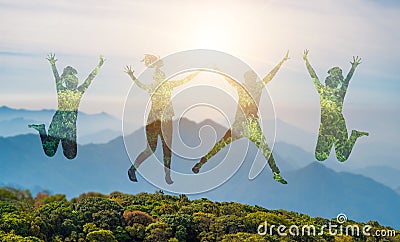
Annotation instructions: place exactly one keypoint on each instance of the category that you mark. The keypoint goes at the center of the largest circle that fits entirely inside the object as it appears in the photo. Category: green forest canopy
(151, 217)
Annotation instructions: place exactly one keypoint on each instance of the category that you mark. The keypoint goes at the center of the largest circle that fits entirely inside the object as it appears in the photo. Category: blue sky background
(259, 33)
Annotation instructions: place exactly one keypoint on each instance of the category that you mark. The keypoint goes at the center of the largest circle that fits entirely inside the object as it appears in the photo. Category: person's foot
(38, 127)
(168, 180)
(360, 133)
(196, 168)
(132, 174)
(278, 178)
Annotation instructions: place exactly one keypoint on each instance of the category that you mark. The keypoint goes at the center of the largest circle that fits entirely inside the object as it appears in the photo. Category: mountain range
(370, 157)
(91, 128)
(313, 188)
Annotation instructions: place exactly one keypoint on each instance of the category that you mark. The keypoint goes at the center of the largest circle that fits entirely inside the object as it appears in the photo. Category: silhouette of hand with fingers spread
(128, 69)
(286, 56)
(356, 61)
(101, 60)
(51, 58)
(305, 53)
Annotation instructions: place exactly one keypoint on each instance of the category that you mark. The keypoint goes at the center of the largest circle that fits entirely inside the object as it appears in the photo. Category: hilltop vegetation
(150, 217)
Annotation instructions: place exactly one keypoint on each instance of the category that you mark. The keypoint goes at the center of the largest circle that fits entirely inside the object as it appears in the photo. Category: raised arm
(232, 82)
(52, 59)
(356, 61)
(129, 71)
(82, 88)
(317, 83)
(185, 80)
(270, 75)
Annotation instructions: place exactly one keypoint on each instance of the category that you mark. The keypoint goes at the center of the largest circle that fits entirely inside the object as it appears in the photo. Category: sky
(259, 33)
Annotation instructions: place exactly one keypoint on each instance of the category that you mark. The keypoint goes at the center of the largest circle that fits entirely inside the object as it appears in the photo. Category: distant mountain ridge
(398, 190)
(15, 121)
(101, 128)
(313, 188)
(91, 128)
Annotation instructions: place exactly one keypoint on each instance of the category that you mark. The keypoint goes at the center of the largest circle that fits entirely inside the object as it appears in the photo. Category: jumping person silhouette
(332, 130)
(159, 121)
(246, 124)
(63, 125)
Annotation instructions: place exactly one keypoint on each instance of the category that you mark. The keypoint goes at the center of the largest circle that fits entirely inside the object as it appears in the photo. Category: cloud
(259, 32)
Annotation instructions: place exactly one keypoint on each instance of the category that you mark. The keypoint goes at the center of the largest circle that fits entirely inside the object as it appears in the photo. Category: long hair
(335, 77)
(150, 60)
(69, 71)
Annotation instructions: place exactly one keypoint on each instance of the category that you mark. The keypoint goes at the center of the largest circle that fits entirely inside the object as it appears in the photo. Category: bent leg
(69, 148)
(56, 132)
(49, 143)
(258, 138)
(260, 141)
(324, 143)
(344, 146)
(228, 138)
(152, 131)
(69, 142)
(166, 139)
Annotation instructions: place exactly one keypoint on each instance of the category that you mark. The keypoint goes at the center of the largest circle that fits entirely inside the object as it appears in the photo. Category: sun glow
(216, 30)
(211, 37)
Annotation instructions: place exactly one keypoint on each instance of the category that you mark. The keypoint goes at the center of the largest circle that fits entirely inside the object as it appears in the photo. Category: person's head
(69, 77)
(250, 76)
(152, 61)
(335, 77)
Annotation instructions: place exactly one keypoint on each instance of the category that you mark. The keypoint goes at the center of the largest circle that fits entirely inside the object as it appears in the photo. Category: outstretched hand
(52, 58)
(286, 56)
(101, 60)
(305, 54)
(129, 70)
(356, 61)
